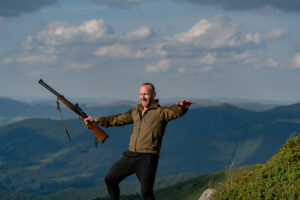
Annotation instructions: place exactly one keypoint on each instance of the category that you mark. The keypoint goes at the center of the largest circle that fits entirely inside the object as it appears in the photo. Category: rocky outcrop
(207, 194)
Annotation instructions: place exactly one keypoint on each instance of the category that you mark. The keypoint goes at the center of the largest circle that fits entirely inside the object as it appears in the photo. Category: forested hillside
(36, 156)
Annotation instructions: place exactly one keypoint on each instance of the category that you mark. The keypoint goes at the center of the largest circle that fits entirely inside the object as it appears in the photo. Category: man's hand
(89, 120)
(185, 104)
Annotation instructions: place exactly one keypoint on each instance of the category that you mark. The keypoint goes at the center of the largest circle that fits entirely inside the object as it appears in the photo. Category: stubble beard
(147, 103)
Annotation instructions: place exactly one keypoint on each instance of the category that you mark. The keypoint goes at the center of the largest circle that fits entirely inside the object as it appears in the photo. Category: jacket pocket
(153, 138)
(155, 141)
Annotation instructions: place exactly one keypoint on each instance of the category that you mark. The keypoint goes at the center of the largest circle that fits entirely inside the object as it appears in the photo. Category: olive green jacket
(148, 130)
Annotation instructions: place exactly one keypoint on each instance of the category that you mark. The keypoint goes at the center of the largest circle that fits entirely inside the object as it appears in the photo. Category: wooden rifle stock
(101, 135)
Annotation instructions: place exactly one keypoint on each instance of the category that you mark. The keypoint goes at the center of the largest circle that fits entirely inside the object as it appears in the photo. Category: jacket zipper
(141, 120)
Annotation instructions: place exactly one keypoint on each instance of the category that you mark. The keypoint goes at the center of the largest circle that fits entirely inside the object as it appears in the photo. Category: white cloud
(61, 33)
(151, 50)
(294, 64)
(219, 34)
(78, 66)
(93, 31)
(37, 59)
(253, 37)
(269, 62)
(192, 68)
(7, 61)
(205, 69)
(91, 39)
(116, 51)
(272, 62)
(195, 48)
(158, 49)
(296, 61)
(162, 65)
(223, 37)
(138, 34)
(208, 59)
(275, 34)
(199, 29)
(181, 70)
(242, 56)
(120, 51)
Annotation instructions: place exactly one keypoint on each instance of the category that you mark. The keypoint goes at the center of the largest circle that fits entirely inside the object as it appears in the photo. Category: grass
(193, 188)
(278, 178)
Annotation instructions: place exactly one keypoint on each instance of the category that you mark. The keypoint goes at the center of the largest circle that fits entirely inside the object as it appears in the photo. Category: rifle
(101, 135)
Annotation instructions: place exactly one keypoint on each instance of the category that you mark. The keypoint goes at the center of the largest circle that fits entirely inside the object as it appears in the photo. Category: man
(150, 121)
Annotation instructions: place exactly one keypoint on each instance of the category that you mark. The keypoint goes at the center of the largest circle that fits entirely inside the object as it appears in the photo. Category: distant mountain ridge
(36, 156)
(14, 110)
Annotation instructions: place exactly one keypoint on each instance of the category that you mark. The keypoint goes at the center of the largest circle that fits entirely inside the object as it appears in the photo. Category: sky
(186, 48)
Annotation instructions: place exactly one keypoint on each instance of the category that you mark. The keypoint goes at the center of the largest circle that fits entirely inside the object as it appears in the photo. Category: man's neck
(146, 108)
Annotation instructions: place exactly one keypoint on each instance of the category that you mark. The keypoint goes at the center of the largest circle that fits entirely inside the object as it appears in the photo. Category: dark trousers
(142, 164)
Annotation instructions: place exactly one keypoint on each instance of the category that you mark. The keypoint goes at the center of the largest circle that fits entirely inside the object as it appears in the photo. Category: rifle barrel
(49, 88)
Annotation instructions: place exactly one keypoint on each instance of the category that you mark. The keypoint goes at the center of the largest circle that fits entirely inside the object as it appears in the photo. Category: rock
(207, 194)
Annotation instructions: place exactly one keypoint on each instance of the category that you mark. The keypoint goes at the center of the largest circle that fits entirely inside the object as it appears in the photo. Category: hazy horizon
(107, 100)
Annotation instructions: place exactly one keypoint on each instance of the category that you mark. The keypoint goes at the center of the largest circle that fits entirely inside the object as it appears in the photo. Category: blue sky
(187, 48)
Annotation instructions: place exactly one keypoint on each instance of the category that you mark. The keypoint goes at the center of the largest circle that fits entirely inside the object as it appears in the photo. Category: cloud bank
(85, 45)
(206, 46)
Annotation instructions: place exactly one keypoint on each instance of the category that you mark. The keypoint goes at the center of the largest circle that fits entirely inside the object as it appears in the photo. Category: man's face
(147, 95)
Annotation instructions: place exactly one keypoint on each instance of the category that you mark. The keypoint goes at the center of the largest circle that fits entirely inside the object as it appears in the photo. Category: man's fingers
(89, 120)
(185, 103)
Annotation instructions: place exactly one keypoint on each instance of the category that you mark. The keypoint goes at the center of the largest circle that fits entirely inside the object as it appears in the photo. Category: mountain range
(36, 156)
(12, 110)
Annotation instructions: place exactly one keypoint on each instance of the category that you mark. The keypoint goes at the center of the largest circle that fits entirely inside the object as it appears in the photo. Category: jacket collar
(153, 106)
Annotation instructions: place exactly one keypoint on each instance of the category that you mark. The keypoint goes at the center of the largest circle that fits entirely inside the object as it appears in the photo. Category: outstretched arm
(176, 110)
(112, 120)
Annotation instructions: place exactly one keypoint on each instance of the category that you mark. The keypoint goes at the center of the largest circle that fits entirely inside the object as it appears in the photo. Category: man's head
(147, 94)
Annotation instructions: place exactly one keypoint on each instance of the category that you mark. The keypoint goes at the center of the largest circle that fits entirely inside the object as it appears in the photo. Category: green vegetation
(193, 188)
(279, 178)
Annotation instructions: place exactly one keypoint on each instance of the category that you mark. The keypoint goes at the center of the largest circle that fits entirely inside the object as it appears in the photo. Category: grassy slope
(193, 188)
(278, 178)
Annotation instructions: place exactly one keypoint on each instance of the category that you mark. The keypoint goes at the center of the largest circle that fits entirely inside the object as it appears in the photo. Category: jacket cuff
(102, 122)
(183, 110)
